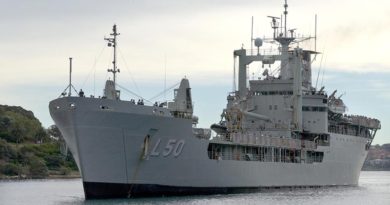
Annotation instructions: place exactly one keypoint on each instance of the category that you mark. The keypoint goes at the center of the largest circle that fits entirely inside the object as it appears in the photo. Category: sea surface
(374, 188)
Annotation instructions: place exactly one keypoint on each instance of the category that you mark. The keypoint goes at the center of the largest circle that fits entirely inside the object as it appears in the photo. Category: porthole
(104, 107)
(72, 106)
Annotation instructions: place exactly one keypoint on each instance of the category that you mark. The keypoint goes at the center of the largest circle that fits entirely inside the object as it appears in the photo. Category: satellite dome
(258, 42)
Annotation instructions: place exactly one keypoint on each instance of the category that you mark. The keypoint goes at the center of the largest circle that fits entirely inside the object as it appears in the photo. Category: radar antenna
(112, 43)
(292, 32)
(274, 24)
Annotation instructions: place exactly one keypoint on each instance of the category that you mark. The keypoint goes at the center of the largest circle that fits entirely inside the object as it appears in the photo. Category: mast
(70, 86)
(297, 89)
(252, 36)
(315, 34)
(112, 43)
(284, 41)
(285, 17)
(70, 77)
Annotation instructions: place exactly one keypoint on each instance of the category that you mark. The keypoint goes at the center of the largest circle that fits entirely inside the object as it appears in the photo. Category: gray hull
(109, 148)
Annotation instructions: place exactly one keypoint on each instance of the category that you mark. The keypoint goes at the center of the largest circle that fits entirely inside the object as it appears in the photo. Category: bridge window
(313, 109)
(276, 92)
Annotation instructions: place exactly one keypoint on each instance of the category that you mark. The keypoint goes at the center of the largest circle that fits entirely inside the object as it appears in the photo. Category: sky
(164, 41)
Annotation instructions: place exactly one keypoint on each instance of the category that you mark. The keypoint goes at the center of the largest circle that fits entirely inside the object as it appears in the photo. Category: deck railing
(258, 139)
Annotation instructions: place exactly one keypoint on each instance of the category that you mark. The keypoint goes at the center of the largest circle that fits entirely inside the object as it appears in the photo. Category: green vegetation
(27, 150)
(378, 158)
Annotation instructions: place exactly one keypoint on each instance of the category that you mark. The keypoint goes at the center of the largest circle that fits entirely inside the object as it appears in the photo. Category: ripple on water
(374, 188)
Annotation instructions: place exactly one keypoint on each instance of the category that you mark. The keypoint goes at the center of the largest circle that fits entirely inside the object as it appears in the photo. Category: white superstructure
(276, 131)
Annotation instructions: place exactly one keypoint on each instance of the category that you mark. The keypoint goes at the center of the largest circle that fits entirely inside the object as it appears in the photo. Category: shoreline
(21, 178)
(77, 176)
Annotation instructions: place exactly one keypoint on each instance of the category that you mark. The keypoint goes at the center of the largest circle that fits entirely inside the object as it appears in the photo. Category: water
(374, 188)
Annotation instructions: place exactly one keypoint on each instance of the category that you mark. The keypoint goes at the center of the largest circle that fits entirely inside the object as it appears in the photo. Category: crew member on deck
(81, 93)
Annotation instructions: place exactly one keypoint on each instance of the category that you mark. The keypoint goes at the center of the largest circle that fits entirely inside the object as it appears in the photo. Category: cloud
(193, 38)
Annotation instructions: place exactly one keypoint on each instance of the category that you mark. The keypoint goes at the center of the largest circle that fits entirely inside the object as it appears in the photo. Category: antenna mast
(70, 77)
(315, 34)
(234, 73)
(112, 43)
(285, 17)
(70, 86)
(284, 41)
(252, 37)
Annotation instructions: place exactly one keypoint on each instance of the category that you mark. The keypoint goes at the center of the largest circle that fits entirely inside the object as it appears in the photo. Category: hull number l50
(173, 147)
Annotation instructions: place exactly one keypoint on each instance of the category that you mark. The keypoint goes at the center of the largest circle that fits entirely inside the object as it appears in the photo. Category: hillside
(27, 150)
(378, 158)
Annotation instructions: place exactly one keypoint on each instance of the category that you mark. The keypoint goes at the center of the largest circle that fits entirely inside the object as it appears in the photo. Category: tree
(53, 131)
(19, 125)
(9, 169)
(54, 162)
(37, 168)
(4, 123)
(17, 133)
(41, 136)
(6, 151)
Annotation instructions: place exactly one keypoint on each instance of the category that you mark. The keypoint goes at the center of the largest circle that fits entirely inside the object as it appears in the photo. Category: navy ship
(277, 131)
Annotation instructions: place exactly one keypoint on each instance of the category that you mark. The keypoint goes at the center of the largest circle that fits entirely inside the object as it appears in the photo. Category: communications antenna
(70, 77)
(70, 86)
(285, 17)
(252, 36)
(112, 43)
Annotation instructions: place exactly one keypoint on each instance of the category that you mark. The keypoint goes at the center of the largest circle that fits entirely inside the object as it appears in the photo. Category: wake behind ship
(276, 131)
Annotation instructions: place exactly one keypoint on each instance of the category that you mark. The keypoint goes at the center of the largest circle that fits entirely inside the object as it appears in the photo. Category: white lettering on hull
(173, 147)
(154, 152)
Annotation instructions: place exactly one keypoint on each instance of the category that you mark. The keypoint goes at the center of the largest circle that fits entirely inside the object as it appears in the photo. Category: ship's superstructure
(276, 131)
